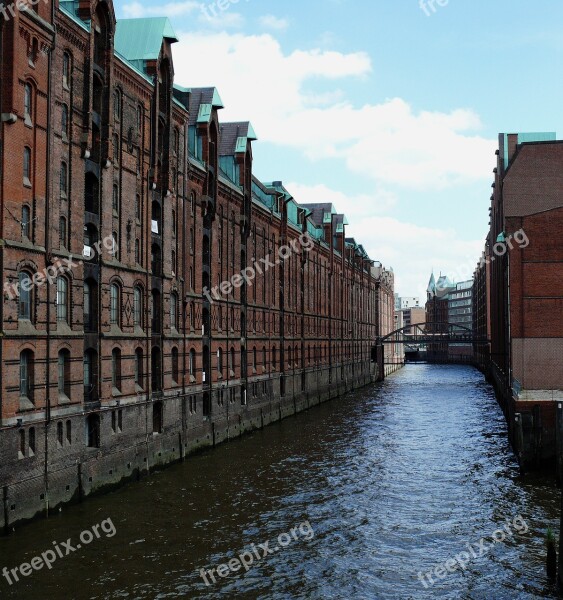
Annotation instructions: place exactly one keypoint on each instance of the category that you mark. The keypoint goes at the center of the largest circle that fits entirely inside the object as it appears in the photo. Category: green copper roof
(141, 39)
(205, 112)
(542, 136)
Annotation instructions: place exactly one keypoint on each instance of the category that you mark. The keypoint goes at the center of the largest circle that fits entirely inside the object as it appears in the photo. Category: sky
(388, 109)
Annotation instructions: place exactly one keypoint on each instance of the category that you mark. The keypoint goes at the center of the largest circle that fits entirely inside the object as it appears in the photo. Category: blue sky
(390, 114)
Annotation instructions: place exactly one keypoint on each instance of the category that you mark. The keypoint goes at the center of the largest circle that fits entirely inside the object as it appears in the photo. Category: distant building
(460, 304)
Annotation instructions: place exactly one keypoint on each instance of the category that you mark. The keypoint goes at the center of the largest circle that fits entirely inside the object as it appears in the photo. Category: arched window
(27, 165)
(62, 232)
(28, 102)
(192, 366)
(156, 369)
(264, 358)
(26, 295)
(117, 104)
(115, 245)
(63, 374)
(116, 368)
(192, 204)
(220, 361)
(26, 221)
(175, 365)
(138, 306)
(274, 358)
(156, 317)
(26, 374)
(115, 199)
(90, 376)
(138, 251)
(254, 358)
(115, 308)
(90, 305)
(63, 180)
(232, 360)
(174, 310)
(64, 121)
(139, 367)
(62, 299)
(66, 70)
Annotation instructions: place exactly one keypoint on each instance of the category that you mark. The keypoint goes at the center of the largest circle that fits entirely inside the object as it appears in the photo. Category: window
(138, 252)
(66, 70)
(117, 104)
(25, 287)
(220, 361)
(114, 246)
(69, 432)
(63, 180)
(27, 166)
(174, 310)
(26, 222)
(174, 265)
(116, 369)
(114, 304)
(28, 103)
(139, 367)
(34, 46)
(157, 417)
(62, 232)
(90, 376)
(139, 117)
(62, 299)
(274, 358)
(192, 364)
(232, 361)
(63, 372)
(115, 144)
(192, 204)
(26, 374)
(32, 441)
(138, 207)
(64, 121)
(138, 307)
(60, 434)
(115, 199)
(175, 365)
(93, 431)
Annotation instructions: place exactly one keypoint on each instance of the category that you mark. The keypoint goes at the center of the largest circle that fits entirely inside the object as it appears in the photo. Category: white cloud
(355, 206)
(389, 142)
(273, 22)
(409, 248)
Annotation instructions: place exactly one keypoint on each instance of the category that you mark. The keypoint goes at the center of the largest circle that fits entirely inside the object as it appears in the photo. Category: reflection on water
(394, 480)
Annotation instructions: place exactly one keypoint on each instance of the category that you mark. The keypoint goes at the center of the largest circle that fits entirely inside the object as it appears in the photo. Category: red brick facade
(519, 289)
(128, 359)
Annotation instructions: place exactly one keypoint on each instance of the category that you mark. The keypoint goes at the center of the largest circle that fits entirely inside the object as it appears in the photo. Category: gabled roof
(141, 39)
(202, 103)
(235, 137)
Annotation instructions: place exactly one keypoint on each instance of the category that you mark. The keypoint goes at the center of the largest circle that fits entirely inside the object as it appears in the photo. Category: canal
(360, 498)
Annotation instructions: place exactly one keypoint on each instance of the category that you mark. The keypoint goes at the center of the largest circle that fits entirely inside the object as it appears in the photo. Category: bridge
(435, 335)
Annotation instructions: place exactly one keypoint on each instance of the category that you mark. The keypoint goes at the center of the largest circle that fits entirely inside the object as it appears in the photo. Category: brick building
(518, 290)
(187, 302)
